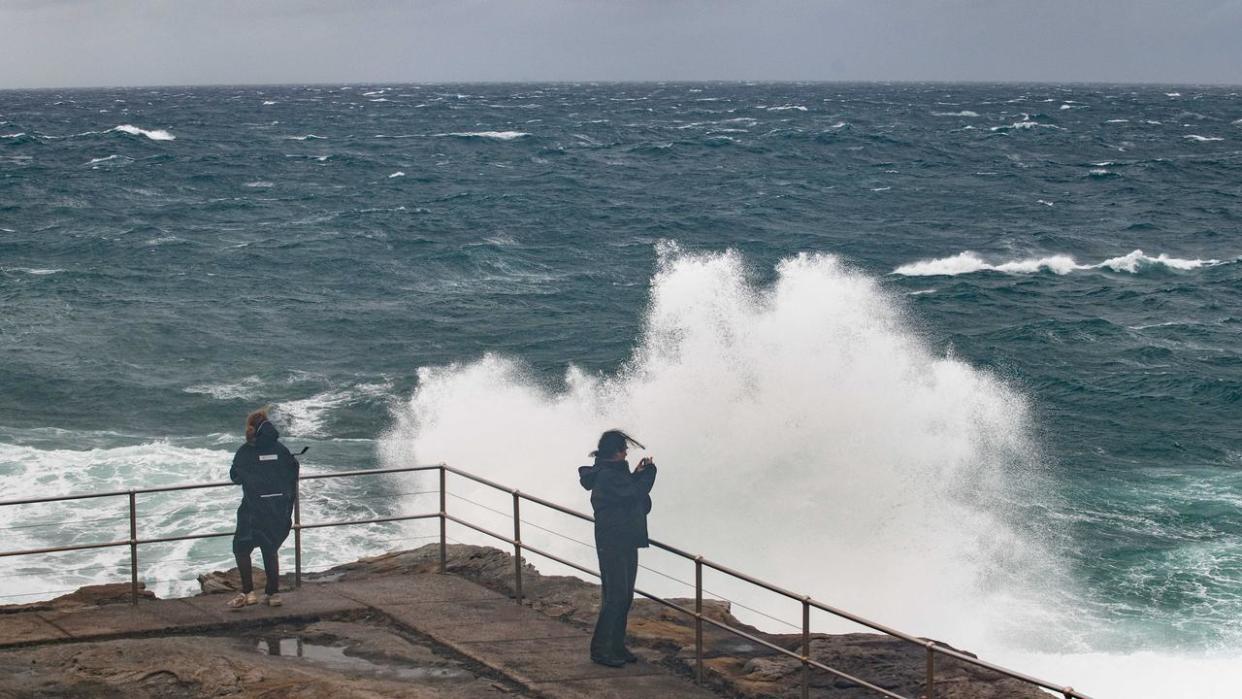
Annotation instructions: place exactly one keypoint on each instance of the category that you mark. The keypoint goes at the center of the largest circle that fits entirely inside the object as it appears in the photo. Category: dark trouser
(618, 567)
(271, 565)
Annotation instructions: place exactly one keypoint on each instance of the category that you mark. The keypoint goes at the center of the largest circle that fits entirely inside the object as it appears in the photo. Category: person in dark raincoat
(268, 475)
(621, 500)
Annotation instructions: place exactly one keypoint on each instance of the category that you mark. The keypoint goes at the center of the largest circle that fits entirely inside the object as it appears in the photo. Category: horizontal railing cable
(211, 484)
(34, 594)
(64, 523)
(190, 512)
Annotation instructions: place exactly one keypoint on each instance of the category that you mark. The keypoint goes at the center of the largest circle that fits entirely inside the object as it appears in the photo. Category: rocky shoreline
(364, 657)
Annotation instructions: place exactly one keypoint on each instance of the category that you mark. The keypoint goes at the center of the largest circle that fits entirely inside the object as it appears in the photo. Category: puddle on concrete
(334, 658)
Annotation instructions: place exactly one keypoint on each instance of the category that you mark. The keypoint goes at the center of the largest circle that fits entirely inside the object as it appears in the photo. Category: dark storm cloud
(128, 42)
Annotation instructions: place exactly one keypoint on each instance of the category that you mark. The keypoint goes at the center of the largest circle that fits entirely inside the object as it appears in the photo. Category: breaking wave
(877, 457)
(969, 262)
(153, 134)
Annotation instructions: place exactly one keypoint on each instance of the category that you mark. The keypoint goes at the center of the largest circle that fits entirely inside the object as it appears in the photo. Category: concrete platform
(544, 655)
(308, 602)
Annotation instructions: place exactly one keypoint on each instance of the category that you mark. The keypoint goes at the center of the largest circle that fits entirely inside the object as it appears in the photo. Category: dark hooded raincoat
(268, 475)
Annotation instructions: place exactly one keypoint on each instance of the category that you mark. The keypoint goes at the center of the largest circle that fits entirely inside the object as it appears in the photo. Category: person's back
(268, 475)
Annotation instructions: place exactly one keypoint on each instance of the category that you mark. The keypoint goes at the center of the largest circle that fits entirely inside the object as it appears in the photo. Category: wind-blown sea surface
(962, 358)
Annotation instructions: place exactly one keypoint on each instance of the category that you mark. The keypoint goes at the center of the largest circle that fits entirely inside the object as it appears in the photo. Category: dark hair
(614, 441)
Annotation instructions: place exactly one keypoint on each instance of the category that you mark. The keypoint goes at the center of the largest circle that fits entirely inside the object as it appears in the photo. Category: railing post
(133, 547)
(806, 647)
(1068, 692)
(443, 524)
(931, 670)
(517, 547)
(698, 619)
(297, 536)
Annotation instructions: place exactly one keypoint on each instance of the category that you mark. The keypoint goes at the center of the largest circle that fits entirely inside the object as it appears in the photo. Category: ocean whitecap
(493, 135)
(153, 134)
(969, 262)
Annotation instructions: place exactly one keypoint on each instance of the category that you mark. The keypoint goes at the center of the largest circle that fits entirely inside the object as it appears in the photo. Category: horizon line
(688, 81)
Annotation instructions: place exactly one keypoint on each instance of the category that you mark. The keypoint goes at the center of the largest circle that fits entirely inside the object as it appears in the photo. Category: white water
(95, 464)
(806, 435)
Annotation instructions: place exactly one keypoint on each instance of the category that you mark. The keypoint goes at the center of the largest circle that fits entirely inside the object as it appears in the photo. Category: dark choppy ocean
(972, 345)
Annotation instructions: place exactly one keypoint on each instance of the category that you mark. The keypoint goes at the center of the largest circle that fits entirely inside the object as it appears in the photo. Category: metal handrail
(933, 649)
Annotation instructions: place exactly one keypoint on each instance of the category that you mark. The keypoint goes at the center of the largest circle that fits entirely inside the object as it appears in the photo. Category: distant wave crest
(153, 134)
(30, 270)
(969, 262)
(494, 135)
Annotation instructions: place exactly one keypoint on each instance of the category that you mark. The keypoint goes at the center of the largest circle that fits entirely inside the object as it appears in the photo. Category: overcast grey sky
(59, 43)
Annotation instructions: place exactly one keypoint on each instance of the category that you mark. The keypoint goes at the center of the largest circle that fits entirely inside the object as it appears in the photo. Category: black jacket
(268, 475)
(621, 502)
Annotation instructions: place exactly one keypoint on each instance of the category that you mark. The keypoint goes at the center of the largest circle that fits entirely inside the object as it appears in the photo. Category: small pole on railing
(443, 524)
(297, 537)
(1068, 692)
(517, 547)
(806, 647)
(133, 548)
(931, 670)
(698, 619)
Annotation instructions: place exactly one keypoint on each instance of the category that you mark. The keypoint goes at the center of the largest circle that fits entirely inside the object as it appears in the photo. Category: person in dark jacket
(621, 500)
(268, 475)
